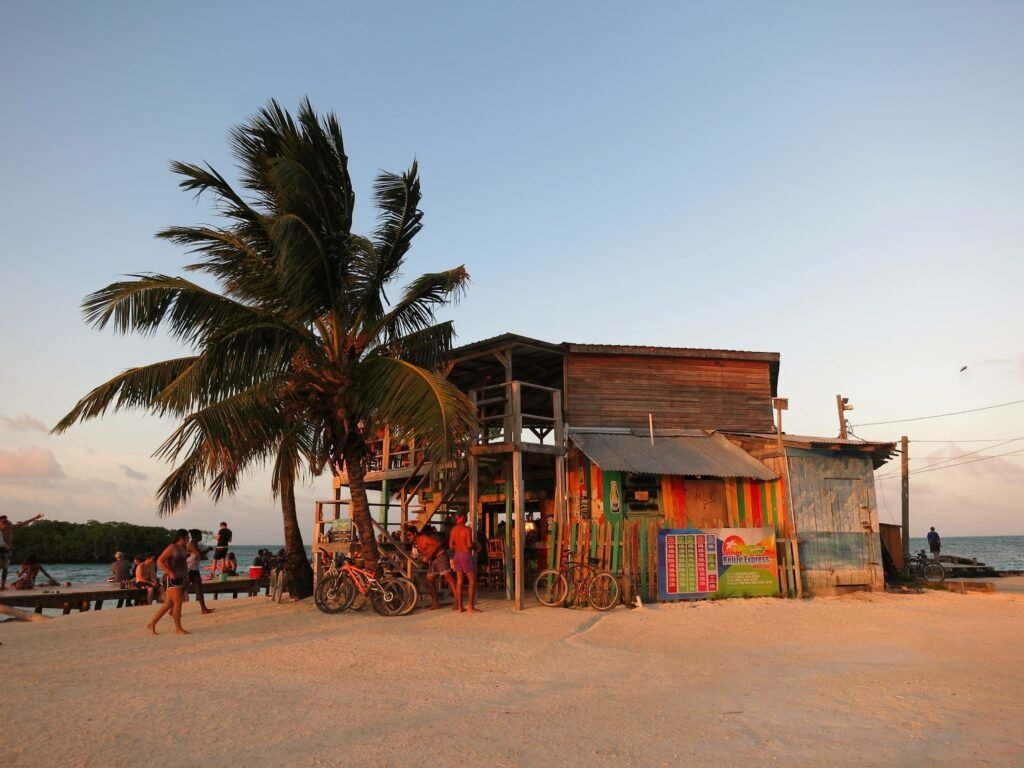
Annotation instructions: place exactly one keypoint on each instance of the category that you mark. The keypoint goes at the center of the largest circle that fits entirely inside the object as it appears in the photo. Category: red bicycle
(390, 595)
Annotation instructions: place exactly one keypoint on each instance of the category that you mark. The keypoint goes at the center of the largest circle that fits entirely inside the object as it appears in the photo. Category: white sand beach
(864, 680)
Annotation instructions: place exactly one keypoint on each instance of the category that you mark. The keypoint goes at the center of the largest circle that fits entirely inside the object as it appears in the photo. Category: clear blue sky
(841, 183)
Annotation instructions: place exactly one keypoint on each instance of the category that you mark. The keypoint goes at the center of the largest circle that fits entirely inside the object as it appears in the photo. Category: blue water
(1004, 553)
(92, 573)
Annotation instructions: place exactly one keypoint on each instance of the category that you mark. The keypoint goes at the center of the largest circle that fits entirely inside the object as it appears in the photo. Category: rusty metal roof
(689, 453)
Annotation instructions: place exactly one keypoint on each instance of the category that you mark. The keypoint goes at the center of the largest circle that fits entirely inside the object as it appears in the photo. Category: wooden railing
(518, 412)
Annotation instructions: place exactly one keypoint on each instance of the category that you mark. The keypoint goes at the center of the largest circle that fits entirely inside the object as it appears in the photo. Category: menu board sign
(688, 564)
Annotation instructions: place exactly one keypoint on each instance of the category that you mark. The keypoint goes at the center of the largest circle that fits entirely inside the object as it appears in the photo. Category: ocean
(92, 573)
(1004, 553)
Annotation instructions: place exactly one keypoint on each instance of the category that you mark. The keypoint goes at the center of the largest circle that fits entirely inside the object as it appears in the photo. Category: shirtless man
(174, 562)
(435, 557)
(7, 544)
(461, 540)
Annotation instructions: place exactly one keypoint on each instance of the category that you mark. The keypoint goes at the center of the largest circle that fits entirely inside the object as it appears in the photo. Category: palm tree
(299, 355)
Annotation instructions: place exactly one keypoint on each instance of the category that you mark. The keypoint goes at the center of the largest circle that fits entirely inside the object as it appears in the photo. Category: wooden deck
(82, 598)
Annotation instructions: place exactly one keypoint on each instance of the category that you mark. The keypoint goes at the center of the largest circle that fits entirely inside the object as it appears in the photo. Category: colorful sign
(720, 562)
(687, 564)
(748, 566)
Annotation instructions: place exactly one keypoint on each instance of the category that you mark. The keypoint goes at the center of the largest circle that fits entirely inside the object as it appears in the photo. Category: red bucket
(255, 571)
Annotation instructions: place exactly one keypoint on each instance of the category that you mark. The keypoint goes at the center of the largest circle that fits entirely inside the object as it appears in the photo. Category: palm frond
(415, 311)
(136, 388)
(413, 400)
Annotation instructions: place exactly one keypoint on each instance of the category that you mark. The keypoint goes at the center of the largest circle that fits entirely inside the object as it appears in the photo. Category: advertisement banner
(748, 566)
(718, 562)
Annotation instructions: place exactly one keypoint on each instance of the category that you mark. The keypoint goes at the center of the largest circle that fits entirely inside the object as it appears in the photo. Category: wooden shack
(835, 515)
(588, 448)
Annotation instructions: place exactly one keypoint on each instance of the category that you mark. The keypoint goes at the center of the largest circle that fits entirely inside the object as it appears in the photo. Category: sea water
(1004, 553)
(93, 573)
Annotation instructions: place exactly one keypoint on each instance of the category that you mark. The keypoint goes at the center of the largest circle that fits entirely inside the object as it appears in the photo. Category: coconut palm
(298, 354)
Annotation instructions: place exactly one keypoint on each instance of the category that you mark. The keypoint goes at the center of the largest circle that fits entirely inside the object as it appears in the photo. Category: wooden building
(587, 447)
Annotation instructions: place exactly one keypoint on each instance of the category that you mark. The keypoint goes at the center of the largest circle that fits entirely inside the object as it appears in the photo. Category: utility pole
(905, 496)
(843, 404)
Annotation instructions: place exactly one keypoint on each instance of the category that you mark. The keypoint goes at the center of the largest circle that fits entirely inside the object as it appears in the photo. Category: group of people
(435, 555)
(30, 567)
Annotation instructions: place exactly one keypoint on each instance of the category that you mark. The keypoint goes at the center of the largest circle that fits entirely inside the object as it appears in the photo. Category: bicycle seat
(594, 560)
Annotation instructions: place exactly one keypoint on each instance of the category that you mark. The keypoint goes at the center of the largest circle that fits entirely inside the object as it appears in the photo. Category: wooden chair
(494, 570)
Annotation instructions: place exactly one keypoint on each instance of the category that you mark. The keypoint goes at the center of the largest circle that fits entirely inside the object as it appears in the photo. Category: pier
(93, 596)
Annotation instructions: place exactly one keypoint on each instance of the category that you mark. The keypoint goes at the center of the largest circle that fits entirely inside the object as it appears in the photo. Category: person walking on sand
(7, 544)
(220, 553)
(435, 557)
(934, 543)
(462, 541)
(195, 577)
(173, 561)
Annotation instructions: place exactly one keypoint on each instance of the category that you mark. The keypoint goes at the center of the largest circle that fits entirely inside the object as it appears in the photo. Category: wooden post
(905, 497)
(520, 543)
(841, 407)
(474, 489)
(517, 415)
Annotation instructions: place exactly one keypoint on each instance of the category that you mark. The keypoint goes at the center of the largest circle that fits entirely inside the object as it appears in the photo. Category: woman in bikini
(174, 563)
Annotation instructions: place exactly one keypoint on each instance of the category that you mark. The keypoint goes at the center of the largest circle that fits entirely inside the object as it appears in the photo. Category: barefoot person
(461, 540)
(174, 563)
(7, 544)
(435, 557)
(195, 576)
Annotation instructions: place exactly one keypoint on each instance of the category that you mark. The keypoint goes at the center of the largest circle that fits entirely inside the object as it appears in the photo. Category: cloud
(24, 423)
(30, 464)
(132, 474)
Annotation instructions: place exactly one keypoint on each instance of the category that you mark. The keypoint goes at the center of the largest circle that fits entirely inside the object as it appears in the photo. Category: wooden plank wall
(681, 393)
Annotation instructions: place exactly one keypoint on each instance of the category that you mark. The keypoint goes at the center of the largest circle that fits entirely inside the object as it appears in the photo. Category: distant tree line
(55, 541)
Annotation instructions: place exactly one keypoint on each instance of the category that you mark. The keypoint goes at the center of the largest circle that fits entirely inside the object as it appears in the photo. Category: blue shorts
(465, 562)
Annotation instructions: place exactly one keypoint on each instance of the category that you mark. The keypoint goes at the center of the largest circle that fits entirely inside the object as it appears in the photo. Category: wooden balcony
(518, 416)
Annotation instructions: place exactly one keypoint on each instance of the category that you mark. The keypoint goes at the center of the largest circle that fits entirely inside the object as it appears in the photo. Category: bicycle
(338, 587)
(555, 587)
(923, 567)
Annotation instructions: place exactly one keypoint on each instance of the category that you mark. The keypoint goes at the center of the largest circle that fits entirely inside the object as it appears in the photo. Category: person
(173, 561)
(221, 551)
(145, 577)
(26, 578)
(465, 546)
(121, 570)
(934, 543)
(231, 565)
(435, 557)
(195, 577)
(7, 544)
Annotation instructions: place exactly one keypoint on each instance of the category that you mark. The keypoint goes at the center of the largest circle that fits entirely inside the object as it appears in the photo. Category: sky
(841, 183)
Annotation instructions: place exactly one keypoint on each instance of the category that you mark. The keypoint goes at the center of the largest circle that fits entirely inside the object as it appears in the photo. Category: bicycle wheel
(412, 596)
(603, 592)
(551, 588)
(934, 573)
(388, 597)
(333, 594)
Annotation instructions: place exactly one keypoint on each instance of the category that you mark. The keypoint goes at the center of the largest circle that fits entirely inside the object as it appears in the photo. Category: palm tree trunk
(360, 505)
(300, 573)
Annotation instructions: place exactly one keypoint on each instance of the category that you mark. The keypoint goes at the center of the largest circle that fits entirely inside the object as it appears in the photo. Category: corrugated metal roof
(690, 453)
(696, 352)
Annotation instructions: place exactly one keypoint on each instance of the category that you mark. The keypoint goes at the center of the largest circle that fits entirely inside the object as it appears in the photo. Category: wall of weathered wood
(681, 393)
(836, 519)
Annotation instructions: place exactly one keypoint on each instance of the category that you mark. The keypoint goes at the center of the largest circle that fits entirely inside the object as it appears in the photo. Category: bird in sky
(963, 369)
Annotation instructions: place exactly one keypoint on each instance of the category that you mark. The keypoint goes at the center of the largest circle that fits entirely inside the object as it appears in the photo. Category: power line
(1016, 452)
(969, 453)
(938, 415)
(989, 440)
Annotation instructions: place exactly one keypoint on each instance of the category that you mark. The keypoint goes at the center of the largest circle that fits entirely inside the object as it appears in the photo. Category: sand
(930, 679)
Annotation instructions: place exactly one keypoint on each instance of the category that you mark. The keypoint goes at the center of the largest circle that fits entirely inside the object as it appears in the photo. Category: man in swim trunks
(435, 557)
(220, 554)
(461, 540)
